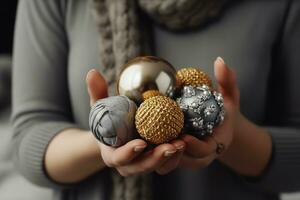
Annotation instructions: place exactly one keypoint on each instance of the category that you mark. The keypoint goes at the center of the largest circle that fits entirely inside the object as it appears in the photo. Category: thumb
(227, 83)
(96, 86)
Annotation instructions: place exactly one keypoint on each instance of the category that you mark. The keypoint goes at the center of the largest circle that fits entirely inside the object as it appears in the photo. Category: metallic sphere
(159, 119)
(146, 73)
(193, 77)
(203, 110)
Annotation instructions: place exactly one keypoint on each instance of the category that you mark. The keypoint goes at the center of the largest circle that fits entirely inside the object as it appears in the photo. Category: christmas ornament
(111, 120)
(203, 110)
(146, 73)
(193, 77)
(159, 120)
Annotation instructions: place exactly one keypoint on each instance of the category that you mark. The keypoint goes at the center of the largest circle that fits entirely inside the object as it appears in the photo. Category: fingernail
(92, 70)
(139, 148)
(180, 147)
(89, 72)
(219, 59)
(169, 153)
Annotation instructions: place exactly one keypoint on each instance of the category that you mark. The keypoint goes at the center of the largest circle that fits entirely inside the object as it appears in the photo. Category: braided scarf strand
(119, 35)
(120, 40)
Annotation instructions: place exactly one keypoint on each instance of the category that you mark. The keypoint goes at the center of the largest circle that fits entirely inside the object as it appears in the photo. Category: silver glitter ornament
(111, 120)
(203, 110)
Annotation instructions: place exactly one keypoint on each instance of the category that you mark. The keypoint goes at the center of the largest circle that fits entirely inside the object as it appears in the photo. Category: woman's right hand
(131, 159)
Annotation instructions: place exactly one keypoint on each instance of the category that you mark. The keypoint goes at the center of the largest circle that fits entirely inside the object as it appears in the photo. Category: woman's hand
(131, 159)
(200, 153)
(248, 147)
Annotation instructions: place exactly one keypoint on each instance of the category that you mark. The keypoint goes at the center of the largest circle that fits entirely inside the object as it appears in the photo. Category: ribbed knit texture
(286, 149)
(35, 143)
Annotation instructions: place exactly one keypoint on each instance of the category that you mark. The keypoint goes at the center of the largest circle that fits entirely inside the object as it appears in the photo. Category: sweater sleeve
(283, 113)
(41, 107)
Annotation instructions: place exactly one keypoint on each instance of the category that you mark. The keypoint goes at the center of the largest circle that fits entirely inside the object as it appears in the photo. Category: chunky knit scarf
(121, 39)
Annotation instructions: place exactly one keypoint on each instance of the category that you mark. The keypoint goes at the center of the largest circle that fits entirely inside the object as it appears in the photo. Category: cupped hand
(131, 158)
(200, 153)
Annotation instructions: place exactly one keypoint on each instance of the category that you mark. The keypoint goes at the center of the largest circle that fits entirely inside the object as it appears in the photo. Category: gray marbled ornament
(112, 120)
(203, 110)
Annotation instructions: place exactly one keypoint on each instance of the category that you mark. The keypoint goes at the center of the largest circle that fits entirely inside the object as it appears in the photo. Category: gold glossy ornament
(193, 77)
(159, 119)
(146, 73)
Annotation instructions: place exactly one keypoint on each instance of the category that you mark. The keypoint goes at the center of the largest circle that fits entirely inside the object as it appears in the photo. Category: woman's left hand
(200, 153)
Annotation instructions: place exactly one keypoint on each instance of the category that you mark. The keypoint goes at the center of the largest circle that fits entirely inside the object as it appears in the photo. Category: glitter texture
(159, 120)
(203, 110)
(193, 77)
(151, 93)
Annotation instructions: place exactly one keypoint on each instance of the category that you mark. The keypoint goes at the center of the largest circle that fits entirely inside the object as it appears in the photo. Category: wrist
(72, 155)
(92, 151)
(250, 150)
(236, 137)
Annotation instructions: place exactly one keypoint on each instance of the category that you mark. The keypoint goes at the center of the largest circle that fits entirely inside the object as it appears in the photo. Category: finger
(123, 155)
(226, 79)
(96, 85)
(195, 164)
(149, 161)
(178, 144)
(170, 164)
(198, 148)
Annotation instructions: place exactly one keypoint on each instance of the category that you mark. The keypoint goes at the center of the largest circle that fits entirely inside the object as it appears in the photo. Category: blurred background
(12, 185)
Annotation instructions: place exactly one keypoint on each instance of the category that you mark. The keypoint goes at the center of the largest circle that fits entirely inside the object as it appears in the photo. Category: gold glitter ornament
(193, 77)
(159, 119)
(151, 93)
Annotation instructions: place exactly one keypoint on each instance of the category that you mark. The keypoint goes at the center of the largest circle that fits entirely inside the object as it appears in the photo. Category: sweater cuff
(282, 173)
(31, 153)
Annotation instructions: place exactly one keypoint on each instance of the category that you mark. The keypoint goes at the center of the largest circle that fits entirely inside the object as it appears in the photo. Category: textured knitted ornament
(111, 120)
(121, 40)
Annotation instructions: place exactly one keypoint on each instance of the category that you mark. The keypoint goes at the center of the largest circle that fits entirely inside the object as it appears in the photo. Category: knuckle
(163, 171)
(144, 169)
(116, 161)
(123, 173)
(108, 164)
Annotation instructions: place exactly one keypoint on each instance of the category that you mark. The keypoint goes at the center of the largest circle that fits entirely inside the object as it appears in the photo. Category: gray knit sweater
(55, 46)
